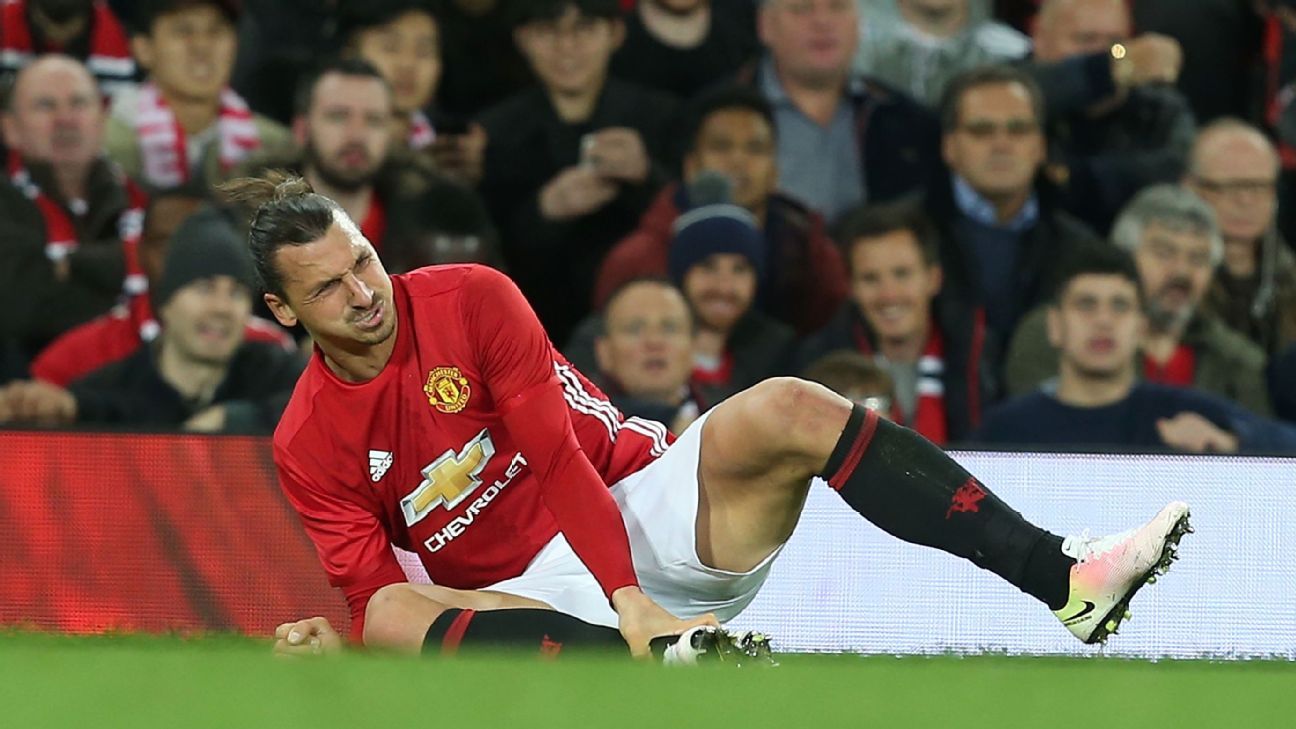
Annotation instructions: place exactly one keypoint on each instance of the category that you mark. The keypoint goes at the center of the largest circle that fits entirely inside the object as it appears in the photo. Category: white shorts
(659, 505)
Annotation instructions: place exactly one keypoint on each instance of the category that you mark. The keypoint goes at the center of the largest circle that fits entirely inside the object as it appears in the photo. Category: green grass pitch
(141, 682)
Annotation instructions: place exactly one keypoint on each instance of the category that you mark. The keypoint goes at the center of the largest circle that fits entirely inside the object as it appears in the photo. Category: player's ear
(282, 312)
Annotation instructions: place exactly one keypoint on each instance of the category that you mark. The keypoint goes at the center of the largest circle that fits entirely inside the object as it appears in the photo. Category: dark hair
(994, 75)
(147, 12)
(532, 11)
(725, 98)
(360, 15)
(286, 211)
(305, 93)
(874, 221)
(1096, 259)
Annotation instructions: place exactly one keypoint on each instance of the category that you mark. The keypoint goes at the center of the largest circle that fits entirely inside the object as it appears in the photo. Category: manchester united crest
(447, 390)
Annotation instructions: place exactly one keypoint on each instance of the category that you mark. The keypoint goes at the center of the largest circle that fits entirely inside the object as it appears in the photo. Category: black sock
(544, 631)
(909, 487)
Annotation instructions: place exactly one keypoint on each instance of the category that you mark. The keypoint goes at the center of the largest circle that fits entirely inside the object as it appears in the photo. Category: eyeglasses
(1254, 186)
(1016, 128)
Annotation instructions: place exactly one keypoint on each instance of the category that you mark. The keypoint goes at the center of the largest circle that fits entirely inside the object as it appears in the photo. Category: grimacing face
(336, 288)
(1097, 326)
(647, 347)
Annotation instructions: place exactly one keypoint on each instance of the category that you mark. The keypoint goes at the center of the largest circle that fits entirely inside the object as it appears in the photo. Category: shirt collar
(972, 204)
(771, 87)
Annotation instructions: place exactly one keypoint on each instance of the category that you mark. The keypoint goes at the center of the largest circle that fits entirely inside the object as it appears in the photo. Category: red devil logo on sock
(967, 498)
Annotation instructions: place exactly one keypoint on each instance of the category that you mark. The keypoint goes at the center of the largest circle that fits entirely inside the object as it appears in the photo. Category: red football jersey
(419, 456)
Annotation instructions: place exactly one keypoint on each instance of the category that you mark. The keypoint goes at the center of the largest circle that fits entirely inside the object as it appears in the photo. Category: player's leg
(761, 448)
(412, 618)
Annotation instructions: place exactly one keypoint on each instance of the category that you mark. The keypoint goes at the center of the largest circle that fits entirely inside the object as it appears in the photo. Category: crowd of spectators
(1011, 223)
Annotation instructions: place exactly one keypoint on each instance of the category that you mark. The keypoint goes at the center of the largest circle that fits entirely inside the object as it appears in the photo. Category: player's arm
(516, 360)
(352, 544)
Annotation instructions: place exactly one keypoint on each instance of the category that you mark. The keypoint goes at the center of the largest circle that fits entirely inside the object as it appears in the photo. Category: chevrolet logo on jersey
(449, 479)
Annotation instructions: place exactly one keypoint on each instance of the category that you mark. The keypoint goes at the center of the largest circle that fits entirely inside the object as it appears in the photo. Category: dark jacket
(1040, 419)
(805, 278)
(554, 262)
(37, 307)
(1228, 364)
(1054, 236)
(131, 392)
(1263, 306)
(761, 348)
(968, 375)
(898, 138)
(1106, 160)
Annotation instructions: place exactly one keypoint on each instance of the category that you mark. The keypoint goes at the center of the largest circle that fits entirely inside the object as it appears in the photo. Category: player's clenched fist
(310, 637)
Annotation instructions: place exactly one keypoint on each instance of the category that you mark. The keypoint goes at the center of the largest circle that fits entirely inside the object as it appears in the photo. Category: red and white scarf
(60, 230)
(109, 60)
(162, 141)
(929, 416)
(421, 133)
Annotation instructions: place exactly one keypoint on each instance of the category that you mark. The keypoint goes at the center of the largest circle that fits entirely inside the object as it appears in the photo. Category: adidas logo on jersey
(379, 462)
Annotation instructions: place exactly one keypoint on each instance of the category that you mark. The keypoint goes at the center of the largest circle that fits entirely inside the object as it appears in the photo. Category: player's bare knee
(398, 618)
(800, 417)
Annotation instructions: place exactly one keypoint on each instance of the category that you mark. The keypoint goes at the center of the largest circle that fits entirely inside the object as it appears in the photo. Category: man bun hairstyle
(286, 211)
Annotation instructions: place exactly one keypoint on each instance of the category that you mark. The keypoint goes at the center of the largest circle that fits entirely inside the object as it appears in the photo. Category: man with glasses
(1003, 229)
(1234, 168)
(1176, 245)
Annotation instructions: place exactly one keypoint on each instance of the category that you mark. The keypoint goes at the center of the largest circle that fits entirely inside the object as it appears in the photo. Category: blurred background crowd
(1021, 223)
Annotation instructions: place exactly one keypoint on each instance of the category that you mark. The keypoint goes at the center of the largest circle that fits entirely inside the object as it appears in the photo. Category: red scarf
(60, 230)
(110, 58)
(162, 141)
(929, 416)
(421, 133)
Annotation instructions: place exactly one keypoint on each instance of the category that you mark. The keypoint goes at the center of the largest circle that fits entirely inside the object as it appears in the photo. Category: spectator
(570, 163)
(715, 259)
(1003, 229)
(185, 125)
(482, 63)
(279, 42)
(931, 42)
(1096, 324)
(1235, 168)
(64, 210)
(683, 46)
(932, 347)
(731, 158)
(842, 139)
(402, 39)
(645, 353)
(86, 30)
(856, 378)
(200, 374)
(1175, 242)
(1138, 135)
(348, 155)
(121, 332)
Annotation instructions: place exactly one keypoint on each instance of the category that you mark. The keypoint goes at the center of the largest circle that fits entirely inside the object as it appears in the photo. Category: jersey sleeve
(516, 360)
(350, 540)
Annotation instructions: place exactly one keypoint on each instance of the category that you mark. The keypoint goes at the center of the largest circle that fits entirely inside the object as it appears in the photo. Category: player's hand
(1150, 58)
(574, 192)
(617, 153)
(1195, 434)
(641, 620)
(310, 637)
(37, 402)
